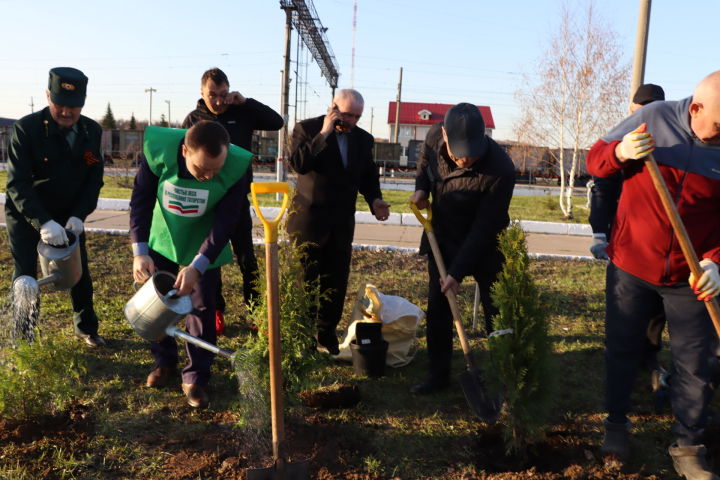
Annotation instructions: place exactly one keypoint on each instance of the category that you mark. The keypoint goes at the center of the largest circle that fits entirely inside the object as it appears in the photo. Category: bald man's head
(705, 109)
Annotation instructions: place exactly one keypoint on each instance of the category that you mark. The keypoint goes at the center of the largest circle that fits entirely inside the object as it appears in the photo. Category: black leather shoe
(160, 377)
(328, 340)
(431, 385)
(92, 340)
(616, 441)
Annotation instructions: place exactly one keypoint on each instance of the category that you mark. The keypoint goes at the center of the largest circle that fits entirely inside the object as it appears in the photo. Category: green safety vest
(185, 208)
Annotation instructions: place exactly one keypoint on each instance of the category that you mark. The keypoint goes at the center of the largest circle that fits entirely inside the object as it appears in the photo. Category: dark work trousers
(653, 338)
(440, 326)
(242, 245)
(330, 263)
(199, 323)
(23, 245)
(630, 302)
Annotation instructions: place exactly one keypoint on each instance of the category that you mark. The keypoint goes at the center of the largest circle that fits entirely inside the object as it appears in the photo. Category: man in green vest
(55, 173)
(182, 211)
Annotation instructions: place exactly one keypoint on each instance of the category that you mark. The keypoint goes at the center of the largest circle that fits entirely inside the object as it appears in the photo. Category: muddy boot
(689, 462)
(616, 442)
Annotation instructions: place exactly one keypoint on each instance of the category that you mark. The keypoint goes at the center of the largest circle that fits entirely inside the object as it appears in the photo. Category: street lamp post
(151, 90)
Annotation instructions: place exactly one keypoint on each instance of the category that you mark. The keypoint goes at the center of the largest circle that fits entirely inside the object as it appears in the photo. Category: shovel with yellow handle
(485, 407)
(282, 469)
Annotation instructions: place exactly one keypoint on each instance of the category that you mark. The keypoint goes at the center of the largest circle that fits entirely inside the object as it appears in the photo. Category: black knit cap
(465, 129)
(648, 93)
(67, 86)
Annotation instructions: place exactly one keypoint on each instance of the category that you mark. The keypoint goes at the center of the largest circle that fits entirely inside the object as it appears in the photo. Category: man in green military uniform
(55, 172)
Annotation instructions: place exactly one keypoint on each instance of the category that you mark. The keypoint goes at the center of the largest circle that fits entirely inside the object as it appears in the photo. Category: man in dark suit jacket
(333, 159)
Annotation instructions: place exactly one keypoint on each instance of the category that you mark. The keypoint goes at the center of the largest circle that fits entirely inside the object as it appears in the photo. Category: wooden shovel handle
(681, 234)
(452, 299)
(273, 307)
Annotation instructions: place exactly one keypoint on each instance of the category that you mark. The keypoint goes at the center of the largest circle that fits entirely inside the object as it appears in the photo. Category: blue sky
(453, 51)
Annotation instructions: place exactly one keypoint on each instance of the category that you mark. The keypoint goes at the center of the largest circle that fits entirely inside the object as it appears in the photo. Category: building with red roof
(417, 118)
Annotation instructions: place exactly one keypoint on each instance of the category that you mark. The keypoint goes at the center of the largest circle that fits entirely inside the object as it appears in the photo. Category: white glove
(635, 145)
(53, 234)
(599, 244)
(708, 285)
(75, 225)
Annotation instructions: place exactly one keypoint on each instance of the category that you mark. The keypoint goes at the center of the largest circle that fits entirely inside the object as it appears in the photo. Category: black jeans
(630, 302)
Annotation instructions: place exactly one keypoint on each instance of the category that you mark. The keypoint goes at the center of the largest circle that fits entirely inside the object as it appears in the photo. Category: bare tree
(579, 92)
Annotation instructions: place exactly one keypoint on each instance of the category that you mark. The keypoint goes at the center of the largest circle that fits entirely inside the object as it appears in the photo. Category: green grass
(522, 207)
(135, 432)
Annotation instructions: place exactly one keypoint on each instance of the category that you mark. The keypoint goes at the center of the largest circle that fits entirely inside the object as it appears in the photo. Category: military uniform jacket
(49, 180)
(326, 190)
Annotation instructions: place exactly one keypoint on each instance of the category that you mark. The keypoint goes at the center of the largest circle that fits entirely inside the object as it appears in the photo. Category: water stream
(24, 300)
(254, 403)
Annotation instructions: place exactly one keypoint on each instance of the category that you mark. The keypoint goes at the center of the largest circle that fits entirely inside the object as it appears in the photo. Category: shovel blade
(290, 471)
(485, 406)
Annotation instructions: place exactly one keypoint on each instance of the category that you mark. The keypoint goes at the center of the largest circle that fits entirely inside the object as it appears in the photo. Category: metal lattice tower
(306, 21)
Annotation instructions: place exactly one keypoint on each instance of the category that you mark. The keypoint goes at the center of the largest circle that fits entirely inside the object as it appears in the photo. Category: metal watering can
(61, 267)
(155, 309)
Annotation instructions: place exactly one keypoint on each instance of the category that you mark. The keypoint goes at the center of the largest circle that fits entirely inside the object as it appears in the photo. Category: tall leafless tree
(577, 93)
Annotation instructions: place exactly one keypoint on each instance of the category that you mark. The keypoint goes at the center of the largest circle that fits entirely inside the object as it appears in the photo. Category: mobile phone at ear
(338, 123)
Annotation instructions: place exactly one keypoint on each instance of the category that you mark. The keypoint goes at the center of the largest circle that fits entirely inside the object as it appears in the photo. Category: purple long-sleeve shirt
(142, 203)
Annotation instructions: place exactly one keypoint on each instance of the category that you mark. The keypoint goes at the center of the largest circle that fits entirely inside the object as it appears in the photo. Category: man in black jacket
(471, 181)
(240, 116)
(333, 159)
(55, 173)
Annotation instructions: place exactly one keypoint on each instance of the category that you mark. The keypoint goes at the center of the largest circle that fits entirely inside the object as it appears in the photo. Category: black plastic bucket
(369, 359)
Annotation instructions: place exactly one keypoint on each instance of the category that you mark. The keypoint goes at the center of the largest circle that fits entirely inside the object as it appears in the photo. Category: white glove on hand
(75, 225)
(635, 145)
(53, 234)
(708, 285)
(599, 244)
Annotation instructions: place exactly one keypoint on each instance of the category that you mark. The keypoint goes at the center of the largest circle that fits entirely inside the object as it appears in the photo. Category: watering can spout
(173, 331)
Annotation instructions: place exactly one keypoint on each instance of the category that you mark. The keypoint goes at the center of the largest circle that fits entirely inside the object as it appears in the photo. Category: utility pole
(372, 116)
(354, 28)
(168, 102)
(397, 107)
(280, 168)
(32, 105)
(641, 39)
(151, 90)
(297, 77)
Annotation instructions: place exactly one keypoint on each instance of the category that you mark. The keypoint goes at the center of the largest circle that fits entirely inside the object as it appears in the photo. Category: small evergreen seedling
(521, 360)
(39, 378)
(300, 360)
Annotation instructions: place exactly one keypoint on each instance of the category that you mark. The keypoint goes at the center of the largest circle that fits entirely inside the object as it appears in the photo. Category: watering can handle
(270, 187)
(425, 222)
(171, 294)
